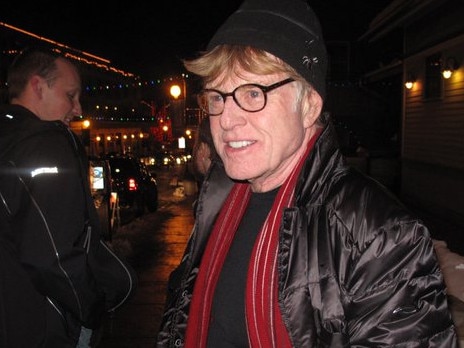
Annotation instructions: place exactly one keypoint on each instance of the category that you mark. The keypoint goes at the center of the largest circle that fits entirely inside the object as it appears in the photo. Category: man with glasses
(291, 247)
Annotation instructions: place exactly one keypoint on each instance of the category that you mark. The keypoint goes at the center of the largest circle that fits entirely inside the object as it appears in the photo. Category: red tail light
(132, 185)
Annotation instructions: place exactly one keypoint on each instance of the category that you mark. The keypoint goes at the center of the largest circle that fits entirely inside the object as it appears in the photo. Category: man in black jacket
(63, 277)
(292, 247)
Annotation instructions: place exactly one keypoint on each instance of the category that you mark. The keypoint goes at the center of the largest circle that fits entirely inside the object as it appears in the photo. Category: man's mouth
(239, 144)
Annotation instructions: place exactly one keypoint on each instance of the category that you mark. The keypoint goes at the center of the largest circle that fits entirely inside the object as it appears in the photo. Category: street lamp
(165, 133)
(175, 91)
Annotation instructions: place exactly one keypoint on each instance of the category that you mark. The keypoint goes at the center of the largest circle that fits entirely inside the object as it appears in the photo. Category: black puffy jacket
(64, 275)
(356, 269)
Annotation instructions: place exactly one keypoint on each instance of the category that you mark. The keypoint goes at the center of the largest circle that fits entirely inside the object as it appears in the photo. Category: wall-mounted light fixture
(449, 67)
(410, 81)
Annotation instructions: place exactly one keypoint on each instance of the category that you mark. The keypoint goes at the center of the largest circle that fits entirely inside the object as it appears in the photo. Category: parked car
(136, 188)
(104, 199)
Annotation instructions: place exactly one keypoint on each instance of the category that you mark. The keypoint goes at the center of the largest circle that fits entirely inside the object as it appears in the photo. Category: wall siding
(433, 140)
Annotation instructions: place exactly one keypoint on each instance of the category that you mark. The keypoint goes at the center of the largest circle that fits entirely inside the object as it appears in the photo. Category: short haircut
(29, 62)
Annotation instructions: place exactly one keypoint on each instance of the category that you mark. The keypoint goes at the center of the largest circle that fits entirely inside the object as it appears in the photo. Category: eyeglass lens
(249, 97)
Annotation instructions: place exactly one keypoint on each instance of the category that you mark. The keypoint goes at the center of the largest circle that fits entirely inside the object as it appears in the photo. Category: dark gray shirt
(228, 327)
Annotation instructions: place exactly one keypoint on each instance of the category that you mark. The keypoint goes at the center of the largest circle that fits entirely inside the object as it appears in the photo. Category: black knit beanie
(288, 29)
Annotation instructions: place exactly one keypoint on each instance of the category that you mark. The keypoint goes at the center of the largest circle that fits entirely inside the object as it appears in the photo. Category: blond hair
(225, 60)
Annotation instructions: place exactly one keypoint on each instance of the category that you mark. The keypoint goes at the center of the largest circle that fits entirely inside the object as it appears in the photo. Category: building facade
(430, 35)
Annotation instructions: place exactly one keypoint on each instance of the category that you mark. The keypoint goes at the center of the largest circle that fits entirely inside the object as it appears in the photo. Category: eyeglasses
(250, 97)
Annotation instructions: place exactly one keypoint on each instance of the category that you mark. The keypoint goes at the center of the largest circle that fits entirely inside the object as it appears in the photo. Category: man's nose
(232, 115)
(77, 109)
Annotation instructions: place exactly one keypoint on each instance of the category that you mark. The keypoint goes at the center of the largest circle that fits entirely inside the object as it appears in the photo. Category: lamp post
(165, 133)
(85, 134)
(178, 92)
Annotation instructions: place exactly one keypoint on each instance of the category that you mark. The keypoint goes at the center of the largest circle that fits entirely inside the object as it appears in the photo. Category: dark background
(150, 38)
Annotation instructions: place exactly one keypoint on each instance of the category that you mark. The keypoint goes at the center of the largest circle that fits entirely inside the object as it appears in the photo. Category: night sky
(150, 38)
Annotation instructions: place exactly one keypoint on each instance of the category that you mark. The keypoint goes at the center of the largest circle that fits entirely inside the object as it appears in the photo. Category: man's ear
(37, 85)
(312, 107)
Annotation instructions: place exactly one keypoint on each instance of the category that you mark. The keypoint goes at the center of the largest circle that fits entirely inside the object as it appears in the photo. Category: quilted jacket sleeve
(392, 288)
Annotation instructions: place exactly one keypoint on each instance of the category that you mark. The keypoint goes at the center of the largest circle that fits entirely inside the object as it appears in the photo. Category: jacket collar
(15, 113)
(320, 165)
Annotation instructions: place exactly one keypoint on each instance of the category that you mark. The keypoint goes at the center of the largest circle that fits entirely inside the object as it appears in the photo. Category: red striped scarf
(265, 325)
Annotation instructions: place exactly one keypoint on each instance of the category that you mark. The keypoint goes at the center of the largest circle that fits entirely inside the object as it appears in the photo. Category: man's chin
(238, 174)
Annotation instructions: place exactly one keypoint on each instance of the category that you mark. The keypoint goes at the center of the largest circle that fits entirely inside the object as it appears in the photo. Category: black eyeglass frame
(224, 96)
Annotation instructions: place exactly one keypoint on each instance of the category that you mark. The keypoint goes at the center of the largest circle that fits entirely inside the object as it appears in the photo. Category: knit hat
(288, 29)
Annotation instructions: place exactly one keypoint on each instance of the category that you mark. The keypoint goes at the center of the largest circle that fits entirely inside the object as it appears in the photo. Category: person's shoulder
(360, 209)
(354, 185)
(24, 134)
(358, 201)
(15, 113)
(18, 119)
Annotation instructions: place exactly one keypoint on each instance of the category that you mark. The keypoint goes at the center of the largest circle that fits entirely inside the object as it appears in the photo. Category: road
(153, 244)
